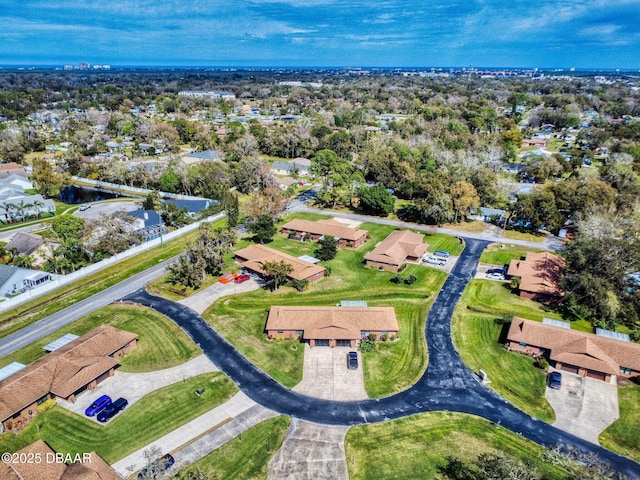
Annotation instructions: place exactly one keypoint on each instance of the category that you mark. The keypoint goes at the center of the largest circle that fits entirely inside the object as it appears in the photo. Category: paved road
(447, 384)
(50, 324)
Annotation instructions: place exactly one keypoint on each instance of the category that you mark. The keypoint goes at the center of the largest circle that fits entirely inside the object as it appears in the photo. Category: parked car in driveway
(157, 467)
(242, 278)
(442, 253)
(554, 380)
(98, 405)
(432, 259)
(112, 410)
(495, 276)
(352, 360)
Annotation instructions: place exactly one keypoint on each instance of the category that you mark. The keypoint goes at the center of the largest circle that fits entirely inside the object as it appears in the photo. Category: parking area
(326, 375)
(485, 268)
(106, 208)
(447, 267)
(134, 386)
(584, 406)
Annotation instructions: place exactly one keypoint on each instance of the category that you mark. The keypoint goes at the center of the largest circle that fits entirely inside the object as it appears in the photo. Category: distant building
(346, 236)
(253, 258)
(299, 166)
(213, 94)
(16, 280)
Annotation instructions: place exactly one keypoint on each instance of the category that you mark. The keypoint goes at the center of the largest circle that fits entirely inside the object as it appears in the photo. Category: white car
(84, 207)
(435, 260)
(495, 276)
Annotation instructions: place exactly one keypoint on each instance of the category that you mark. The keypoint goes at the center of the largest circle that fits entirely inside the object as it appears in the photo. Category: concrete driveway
(326, 375)
(134, 386)
(202, 300)
(584, 406)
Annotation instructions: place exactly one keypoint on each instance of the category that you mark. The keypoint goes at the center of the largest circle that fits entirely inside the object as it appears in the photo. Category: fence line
(89, 269)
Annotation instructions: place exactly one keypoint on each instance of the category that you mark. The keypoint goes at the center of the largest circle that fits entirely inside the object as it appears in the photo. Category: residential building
(299, 166)
(347, 236)
(540, 274)
(331, 326)
(49, 465)
(253, 258)
(400, 247)
(207, 155)
(64, 373)
(485, 214)
(11, 168)
(583, 353)
(16, 280)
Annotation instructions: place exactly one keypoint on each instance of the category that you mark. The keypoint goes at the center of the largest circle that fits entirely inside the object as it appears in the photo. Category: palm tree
(8, 207)
(37, 204)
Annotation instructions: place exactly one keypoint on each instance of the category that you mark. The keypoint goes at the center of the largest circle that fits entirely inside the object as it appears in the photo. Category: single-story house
(64, 373)
(207, 155)
(253, 258)
(485, 214)
(299, 165)
(149, 224)
(299, 229)
(16, 280)
(16, 180)
(540, 275)
(52, 466)
(331, 326)
(286, 182)
(25, 243)
(535, 142)
(400, 247)
(583, 353)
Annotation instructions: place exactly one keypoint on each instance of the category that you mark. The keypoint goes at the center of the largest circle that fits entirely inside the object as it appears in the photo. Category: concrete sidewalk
(172, 441)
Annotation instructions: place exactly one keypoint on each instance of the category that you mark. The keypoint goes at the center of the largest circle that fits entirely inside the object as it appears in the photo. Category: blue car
(99, 404)
(555, 380)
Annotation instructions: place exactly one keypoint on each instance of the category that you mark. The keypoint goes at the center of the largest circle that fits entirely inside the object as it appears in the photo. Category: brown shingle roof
(254, 256)
(399, 245)
(577, 348)
(540, 272)
(325, 227)
(7, 169)
(45, 469)
(332, 322)
(64, 371)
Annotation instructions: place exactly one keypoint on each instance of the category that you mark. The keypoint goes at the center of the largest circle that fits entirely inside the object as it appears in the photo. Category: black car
(156, 467)
(352, 360)
(112, 410)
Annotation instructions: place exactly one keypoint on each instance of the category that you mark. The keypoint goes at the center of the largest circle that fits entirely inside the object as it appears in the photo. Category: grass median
(414, 447)
(246, 456)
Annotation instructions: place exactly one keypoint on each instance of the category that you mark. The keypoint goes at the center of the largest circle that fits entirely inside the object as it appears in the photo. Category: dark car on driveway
(157, 467)
(98, 405)
(112, 410)
(554, 380)
(352, 360)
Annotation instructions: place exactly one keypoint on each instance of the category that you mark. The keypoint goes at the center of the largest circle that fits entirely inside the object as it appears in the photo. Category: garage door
(322, 343)
(596, 375)
(343, 343)
(569, 368)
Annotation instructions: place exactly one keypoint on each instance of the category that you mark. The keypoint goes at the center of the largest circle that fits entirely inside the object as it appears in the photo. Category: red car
(242, 278)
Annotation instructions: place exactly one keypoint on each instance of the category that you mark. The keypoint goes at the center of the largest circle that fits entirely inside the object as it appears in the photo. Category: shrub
(384, 337)
(367, 345)
(410, 280)
(300, 285)
(47, 405)
(372, 337)
(397, 279)
(542, 363)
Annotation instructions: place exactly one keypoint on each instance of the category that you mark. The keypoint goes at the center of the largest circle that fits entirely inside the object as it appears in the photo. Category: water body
(72, 195)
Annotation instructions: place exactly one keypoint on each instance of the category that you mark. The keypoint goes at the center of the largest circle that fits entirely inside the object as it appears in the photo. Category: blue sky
(386, 33)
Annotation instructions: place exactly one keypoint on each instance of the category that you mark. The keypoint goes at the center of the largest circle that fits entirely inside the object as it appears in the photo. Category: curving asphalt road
(447, 384)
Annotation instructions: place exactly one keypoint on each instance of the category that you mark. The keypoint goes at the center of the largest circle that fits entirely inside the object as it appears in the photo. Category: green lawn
(527, 236)
(414, 447)
(477, 338)
(393, 367)
(155, 415)
(161, 344)
(475, 226)
(501, 254)
(45, 305)
(246, 456)
(622, 436)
